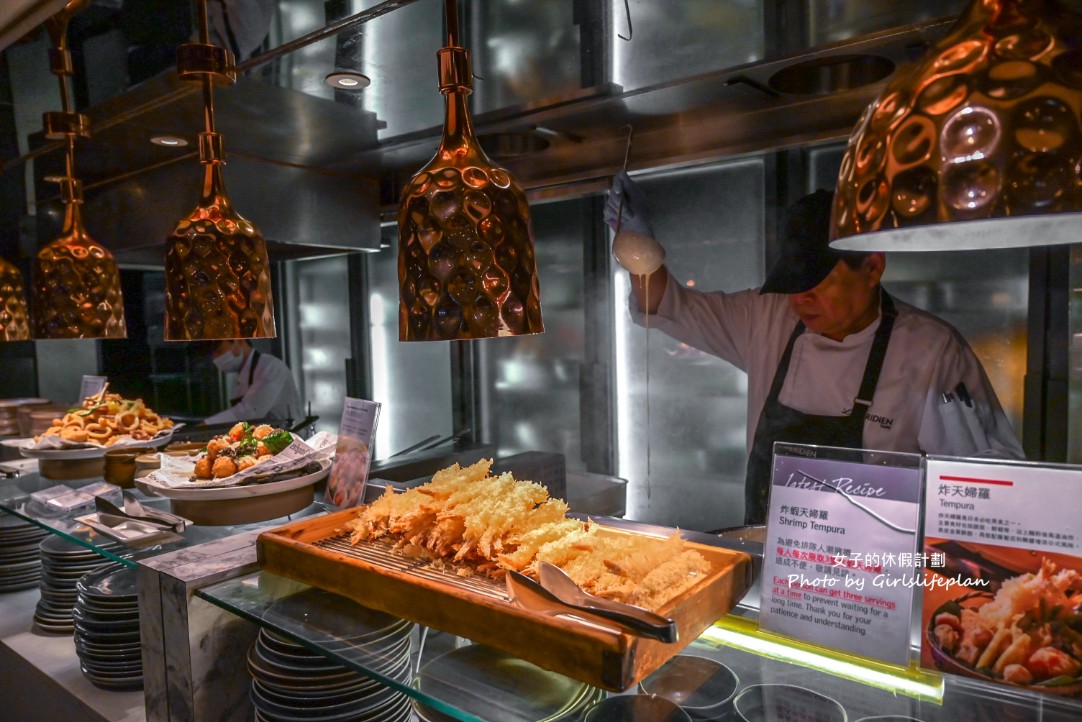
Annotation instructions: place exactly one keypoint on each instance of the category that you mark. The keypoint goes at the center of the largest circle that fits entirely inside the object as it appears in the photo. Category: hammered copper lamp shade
(14, 323)
(76, 285)
(76, 282)
(986, 129)
(217, 274)
(466, 265)
(217, 271)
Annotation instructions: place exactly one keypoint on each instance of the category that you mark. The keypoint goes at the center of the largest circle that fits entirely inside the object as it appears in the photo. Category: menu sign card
(91, 386)
(840, 558)
(1003, 598)
(352, 457)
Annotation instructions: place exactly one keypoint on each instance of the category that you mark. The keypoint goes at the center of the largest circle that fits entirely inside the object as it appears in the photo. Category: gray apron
(251, 375)
(781, 423)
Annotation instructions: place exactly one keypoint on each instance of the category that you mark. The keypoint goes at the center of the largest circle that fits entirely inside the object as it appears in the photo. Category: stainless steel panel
(830, 22)
(411, 380)
(313, 213)
(705, 106)
(19, 17)
(523, 51)
(681, 412)
(1074, 349)
(533, 382)
(323, 325)
(676, 40)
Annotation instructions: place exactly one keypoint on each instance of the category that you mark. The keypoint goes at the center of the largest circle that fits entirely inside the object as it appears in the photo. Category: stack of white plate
(9, 414)
(291, 682)
(496, 686)
(63, 562)
(19, 542)
(106, 619)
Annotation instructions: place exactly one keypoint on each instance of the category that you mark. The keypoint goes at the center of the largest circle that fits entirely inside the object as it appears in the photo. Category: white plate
(129, 531)
(16, 403)
(234, 492)
(90, 452)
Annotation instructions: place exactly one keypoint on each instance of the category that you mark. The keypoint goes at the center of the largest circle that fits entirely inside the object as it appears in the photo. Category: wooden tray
(314, 551)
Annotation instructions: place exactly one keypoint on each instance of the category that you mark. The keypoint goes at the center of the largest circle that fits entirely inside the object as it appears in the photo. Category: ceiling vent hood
(19, 17)
(280, 144)
(314, 174)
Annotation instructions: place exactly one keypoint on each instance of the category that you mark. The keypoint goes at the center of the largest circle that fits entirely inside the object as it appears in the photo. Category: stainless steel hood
(316, 169)
(18, 17)
(280, 145)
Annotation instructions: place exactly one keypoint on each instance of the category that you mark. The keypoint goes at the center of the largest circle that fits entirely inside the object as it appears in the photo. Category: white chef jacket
(926, 358)
(272, 393)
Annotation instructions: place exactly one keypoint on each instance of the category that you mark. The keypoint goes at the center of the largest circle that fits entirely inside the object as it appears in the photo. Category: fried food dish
(489, 524)
(1030, 632)
(242, 448)
(105, 419)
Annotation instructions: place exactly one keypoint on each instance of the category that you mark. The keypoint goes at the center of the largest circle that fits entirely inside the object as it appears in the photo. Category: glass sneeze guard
(258, 598)
(15, 499)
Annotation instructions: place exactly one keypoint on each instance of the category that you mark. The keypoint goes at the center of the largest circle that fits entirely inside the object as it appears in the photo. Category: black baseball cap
(805, 257)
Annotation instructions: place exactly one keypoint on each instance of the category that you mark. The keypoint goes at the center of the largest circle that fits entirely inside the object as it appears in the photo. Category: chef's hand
(625, 206)
(625, 212)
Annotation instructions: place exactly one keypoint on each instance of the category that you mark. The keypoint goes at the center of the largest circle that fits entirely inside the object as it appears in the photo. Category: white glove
(625, 212)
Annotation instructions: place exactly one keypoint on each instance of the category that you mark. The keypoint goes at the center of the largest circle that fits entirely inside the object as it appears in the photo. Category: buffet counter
(219, 633)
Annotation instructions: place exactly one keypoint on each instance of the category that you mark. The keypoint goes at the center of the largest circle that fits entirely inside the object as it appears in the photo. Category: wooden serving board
(597, 655)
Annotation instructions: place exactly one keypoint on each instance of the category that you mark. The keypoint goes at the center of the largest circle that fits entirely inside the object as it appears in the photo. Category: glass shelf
(15, 499)
(303, 614)
(290, 608)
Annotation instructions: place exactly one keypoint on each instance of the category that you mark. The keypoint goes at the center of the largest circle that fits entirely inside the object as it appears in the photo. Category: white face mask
(229, 362)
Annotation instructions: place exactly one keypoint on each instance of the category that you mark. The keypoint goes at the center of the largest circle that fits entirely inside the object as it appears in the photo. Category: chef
(832, 358)
(264, 389)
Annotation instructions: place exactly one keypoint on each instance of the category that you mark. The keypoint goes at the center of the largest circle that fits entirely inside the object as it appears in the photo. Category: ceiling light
(984, 133)
(76, 282)
(465, 249)
(217, 272)
(347, 80)
(170, 141)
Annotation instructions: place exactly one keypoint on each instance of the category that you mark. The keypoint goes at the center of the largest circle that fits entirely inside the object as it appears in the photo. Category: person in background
(264, 388)
(832, 359)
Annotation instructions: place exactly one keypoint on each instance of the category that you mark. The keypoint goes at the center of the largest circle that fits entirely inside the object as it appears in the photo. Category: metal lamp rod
(451, 13)
(208, 91)
(57, 27)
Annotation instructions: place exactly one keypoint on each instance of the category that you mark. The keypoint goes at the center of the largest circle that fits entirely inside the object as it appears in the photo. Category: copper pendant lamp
(217, 272)
(76, 281)
(14, 322)
(985, 133)
(466, 265)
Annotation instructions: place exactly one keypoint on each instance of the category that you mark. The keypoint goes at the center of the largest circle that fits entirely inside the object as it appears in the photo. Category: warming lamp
(75, 279)
(984, 133)
(14, 324)
(217, 272)
(466, 264)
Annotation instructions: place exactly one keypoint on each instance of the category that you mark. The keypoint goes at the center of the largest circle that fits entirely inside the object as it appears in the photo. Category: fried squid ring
(127, 420)
(73, 420)
(98, 433)
(72, 433)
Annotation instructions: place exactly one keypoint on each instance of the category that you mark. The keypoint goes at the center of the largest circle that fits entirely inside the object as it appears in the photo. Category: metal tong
(133, 509)
(557, 593)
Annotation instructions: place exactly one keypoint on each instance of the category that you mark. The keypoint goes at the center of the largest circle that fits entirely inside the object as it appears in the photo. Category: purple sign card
(839, 560)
